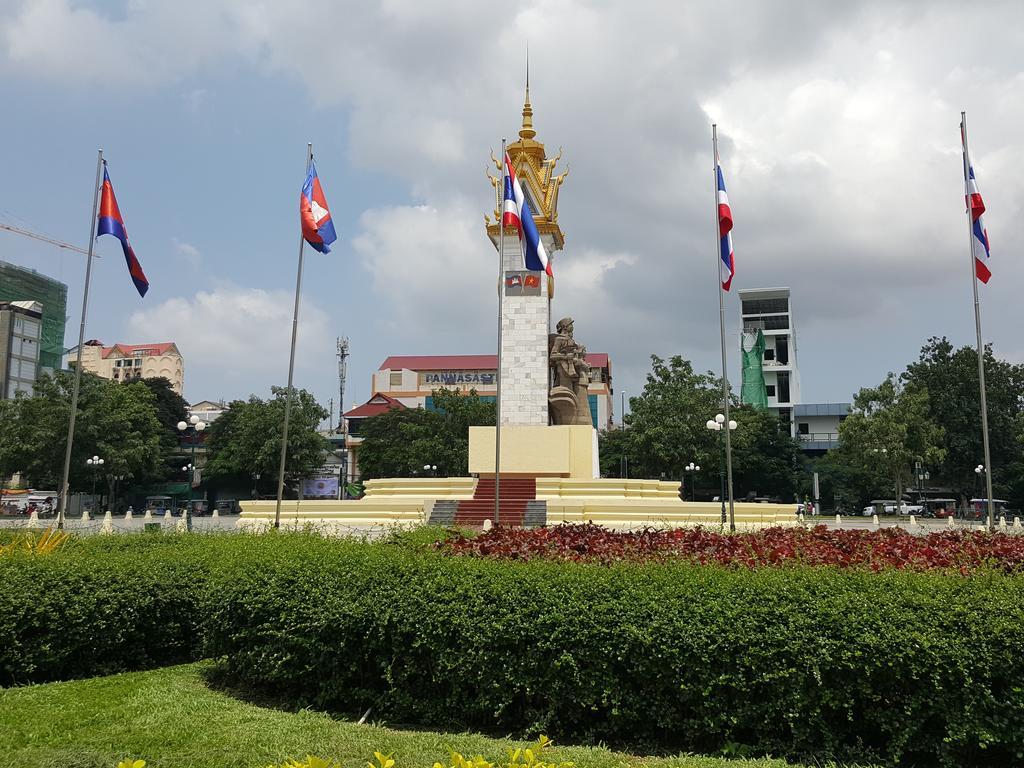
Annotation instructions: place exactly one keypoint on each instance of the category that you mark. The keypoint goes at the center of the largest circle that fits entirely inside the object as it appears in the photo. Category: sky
(838, 127)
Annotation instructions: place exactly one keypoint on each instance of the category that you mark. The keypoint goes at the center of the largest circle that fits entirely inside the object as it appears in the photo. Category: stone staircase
(519, 505)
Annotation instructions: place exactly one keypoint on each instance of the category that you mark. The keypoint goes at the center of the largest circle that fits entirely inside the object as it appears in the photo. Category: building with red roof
(125, 362)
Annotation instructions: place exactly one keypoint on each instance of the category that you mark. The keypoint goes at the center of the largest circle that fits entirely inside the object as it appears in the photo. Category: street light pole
(192, 427)
(95, 462)
(718, 424)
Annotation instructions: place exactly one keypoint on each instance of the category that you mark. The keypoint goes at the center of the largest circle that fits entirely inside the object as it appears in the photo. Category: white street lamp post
(693, 469)
(717, 424)
(95, 462)
(192, 427)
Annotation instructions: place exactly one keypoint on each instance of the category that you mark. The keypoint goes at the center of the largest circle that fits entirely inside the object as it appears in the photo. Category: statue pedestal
(541, 451)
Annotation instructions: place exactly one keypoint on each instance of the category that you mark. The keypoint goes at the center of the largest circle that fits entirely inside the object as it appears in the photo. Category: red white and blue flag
(727, 267)
(516, 213)
(317, 226)
(979, 235)
(111, 223)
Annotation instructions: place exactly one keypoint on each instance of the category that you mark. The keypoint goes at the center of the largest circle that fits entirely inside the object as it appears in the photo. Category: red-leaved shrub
(875, 550)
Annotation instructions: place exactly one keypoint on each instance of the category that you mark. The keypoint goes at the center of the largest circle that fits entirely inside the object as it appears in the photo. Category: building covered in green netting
(22, 284)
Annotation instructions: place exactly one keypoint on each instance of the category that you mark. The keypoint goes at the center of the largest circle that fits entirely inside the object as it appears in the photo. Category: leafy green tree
(888, 430)
(246, 439)
(666, 429)
(170, 409)
(766, 460)
(399, 442)
(950, 377)
(115, 421)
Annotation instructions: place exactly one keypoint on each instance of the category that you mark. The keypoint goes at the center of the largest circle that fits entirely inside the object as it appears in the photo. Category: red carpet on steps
(515, 492)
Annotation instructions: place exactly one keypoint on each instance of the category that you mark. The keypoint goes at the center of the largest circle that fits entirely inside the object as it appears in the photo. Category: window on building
(776, 322)
(782, 350)
(803, 428)
(769, 354)
(396, 379)
(783, 384)
(765, 306)
(30, 329)
(769, 389)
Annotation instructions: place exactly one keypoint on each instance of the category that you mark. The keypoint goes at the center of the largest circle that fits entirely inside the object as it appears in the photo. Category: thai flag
(979, 242)
(728, 265)
(111, 223)
(317, 226)
(517, 213)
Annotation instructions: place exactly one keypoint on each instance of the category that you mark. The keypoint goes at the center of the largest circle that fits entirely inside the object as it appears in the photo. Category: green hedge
(902, 668)
(914, 669)
(102, 605)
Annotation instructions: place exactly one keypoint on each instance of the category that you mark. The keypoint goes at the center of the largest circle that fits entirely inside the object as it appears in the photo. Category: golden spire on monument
(536, 174)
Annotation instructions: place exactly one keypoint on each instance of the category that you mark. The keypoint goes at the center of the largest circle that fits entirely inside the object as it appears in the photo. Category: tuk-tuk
(938, 507)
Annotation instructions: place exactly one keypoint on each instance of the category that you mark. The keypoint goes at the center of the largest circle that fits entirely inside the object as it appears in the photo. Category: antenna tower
(342, 375)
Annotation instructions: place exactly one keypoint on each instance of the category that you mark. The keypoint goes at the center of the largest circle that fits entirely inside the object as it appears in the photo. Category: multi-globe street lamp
(693, 469)
(95, 462)
(431, 468)
(192, 427)
(717, 424)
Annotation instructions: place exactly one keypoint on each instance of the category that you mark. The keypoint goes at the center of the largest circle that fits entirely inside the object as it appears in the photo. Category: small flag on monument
(979, 241)
(728, 265)
(317, 226)
(517, 214)
(111, 223)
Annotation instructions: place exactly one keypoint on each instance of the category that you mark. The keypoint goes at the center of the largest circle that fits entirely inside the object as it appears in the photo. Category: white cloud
(232, 336)
(839, 138)
(188, 252)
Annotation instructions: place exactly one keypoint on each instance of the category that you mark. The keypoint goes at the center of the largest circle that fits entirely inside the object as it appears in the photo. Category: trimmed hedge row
(897, 667)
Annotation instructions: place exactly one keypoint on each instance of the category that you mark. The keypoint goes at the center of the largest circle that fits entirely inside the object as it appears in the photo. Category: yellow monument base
(540, 451)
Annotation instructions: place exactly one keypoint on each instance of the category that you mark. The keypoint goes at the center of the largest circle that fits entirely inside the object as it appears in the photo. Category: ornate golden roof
(537, 177)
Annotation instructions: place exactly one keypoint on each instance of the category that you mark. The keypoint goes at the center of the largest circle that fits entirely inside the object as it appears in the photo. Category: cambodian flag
(979, 242)
(517, 214)
(317, 226)
(111, 223)
(728, 265)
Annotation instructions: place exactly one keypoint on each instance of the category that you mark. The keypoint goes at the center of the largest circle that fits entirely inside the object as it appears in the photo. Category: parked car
(888, 507)
(229, 507)
(939, 508)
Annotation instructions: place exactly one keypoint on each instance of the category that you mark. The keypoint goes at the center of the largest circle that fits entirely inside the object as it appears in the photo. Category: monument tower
(526, 296)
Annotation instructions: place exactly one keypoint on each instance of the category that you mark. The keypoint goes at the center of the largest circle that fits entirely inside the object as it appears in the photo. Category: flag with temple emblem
(315, 217)
(728, 260)
(979, 235)
(111, 223)
(516, 213)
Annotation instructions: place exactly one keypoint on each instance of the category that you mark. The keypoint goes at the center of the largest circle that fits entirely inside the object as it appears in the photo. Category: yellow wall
(560, 451)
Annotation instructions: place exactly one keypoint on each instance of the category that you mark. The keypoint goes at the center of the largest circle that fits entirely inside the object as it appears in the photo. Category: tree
(400, 441)
(665, 426)
(170, 409)
(115, 421)
(888, 430)
(665, 430)
(245, 440)
(950, 377)
(766, 460)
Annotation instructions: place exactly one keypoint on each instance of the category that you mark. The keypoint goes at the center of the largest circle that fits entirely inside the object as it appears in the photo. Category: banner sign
(464, 378)
(320, 487)
(522, 283)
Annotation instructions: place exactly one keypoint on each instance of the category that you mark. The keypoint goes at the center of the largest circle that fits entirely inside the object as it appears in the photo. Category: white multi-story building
(769, 309)
(20, 334)
(125, 362)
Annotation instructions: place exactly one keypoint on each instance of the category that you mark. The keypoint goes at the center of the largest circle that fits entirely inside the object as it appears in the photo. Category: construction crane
(42, 238)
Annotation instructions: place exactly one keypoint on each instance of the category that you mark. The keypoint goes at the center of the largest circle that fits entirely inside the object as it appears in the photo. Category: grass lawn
(172, 719)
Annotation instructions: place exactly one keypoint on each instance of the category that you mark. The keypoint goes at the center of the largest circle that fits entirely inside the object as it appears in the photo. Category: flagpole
(64, 483)
(291, 365)
(721, 328)
(977, 328)
(501, 337)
